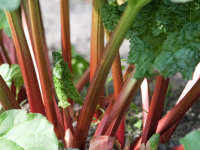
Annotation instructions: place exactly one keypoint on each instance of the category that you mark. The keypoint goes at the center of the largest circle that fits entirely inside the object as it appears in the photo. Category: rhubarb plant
(164, 39)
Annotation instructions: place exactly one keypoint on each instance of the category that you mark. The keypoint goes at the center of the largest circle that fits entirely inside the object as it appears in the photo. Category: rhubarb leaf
(9, 5)
(12, 74)
(26, 131)
(154, 141)
(63, 84)
(164, 37)
(110, 15)
(180, 52)
(191, 140)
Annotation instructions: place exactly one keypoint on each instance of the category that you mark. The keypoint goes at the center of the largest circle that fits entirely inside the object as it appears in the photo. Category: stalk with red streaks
(166, 136)
(118, 84)
(26, 63)
(156, 108)
(102, 71)
(42, 65)
(97, 47)
(121, 105)
(66, 45)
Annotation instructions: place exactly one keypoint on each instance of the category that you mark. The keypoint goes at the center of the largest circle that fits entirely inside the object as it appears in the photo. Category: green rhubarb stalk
(102, 71)
(26, 63)
(42, 65)
(97, 47)
(118, 84)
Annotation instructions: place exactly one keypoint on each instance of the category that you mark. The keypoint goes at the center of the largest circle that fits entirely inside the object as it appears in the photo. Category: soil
(80, 22)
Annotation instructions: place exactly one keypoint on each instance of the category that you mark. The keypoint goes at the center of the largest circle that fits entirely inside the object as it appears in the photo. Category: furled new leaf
(26, 131)
(63, 84)
(158, 28)
(154, 141)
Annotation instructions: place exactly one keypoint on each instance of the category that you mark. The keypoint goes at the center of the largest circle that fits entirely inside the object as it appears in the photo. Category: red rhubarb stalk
(180, 109)
(121, 105)
(166, 136)
(104, 119)
(156, 108)
(118, 84)
(42, 65)
(102, 71)
(1, 58)
(97, 47)
(66, 45)
(25, 60)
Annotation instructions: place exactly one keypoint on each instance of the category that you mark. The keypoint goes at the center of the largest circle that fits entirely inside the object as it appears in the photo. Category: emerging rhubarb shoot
(63, 83)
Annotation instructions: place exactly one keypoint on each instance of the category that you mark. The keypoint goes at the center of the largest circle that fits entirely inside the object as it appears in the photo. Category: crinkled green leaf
(154, 141)
(26, 131)
(180, 52)
(164, 36)
(110, 15)
(191, 140)
(12, 74)
(142, 55)
(63, 84)
(9, 5)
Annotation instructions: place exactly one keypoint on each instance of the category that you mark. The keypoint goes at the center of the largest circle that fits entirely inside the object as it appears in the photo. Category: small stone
(162, 147)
